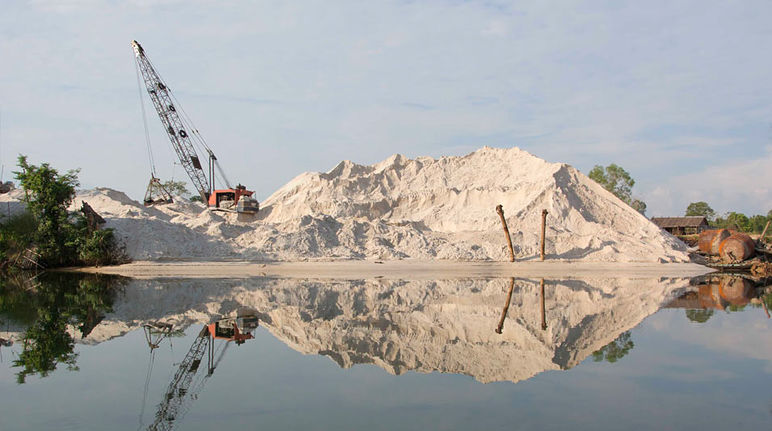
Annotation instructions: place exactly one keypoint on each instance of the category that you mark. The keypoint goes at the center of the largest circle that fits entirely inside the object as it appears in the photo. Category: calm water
(595, 354)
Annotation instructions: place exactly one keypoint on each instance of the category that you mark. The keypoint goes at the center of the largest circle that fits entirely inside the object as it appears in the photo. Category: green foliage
(743, 223)
(52, 304)
(47, 195)
(615, 350)
(699, 316)
(733, 220)
(17, 234)
(639, 206)
(756, 223)
(701, 209)
(196, 198)
(176, 188)
(619, 182)
(614, 179)
(99, 248)
(49, 232)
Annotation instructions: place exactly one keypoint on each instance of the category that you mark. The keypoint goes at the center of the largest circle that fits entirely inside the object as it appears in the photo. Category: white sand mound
(444, 208)
(402, 208)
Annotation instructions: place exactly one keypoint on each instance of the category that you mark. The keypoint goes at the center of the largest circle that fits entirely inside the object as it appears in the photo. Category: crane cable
(147, 386)
(197, 138)
(144, 122)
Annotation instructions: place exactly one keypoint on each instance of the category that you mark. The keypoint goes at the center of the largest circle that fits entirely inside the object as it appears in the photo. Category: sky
(676, 92)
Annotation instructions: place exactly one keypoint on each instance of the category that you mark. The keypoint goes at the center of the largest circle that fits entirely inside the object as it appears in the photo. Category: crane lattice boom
(180, 138)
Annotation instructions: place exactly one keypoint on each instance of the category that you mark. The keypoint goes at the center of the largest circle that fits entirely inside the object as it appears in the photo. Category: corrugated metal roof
(693, 221)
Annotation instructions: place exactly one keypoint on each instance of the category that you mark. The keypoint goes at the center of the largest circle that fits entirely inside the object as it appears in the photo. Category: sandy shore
(403, 269)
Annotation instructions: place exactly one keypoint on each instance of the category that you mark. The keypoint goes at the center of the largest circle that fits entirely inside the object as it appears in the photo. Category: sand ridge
(400, 208)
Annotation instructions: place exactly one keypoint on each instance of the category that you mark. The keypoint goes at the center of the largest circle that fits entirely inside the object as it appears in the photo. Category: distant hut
(682, 225)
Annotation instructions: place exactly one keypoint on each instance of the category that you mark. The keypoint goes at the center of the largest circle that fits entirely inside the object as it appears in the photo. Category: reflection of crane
(178, 396)
(155, 332)
(183, 136)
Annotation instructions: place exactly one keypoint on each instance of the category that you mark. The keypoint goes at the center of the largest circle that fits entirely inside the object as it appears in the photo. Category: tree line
(730, 220)
(618, 181)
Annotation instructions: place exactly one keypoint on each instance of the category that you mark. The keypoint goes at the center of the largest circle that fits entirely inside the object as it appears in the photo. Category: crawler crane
(184, 136)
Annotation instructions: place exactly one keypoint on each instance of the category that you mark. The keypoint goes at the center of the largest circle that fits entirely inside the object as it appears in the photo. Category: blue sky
(678, 93)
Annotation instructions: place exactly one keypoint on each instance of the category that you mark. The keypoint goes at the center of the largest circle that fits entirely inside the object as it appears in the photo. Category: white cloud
(646, 86)
(738, 185)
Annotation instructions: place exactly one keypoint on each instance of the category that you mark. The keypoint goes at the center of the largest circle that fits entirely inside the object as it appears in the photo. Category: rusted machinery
(730, 246)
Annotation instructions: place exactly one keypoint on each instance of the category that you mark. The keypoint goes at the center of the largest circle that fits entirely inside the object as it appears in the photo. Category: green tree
(639, 206)
(738, 221)
(699, 316)
(619, 182)
(756, 223)
(176, 188)
(700, 209)
(47, 195)
(615, 350)
(49, 232)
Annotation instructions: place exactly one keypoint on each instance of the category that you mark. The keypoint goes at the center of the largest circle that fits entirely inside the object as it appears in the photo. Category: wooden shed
(682, 225)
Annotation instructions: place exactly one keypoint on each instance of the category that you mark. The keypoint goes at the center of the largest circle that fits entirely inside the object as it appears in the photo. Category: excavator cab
(239, 199)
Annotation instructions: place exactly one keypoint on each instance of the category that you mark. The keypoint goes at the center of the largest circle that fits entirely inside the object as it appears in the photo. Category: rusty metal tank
(736, 248)
(709, 296)
(735, 290)
(710, 240)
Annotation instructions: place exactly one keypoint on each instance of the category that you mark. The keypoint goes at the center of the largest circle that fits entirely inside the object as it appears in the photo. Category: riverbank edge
(401, 269)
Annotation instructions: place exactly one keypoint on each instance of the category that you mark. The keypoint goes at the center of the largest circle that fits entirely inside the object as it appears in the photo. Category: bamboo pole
(500, 211)
(543, 229)
(506, 306)
(543, 312)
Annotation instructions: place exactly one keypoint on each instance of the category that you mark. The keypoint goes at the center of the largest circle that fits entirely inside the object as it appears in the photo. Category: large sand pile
(424, 208)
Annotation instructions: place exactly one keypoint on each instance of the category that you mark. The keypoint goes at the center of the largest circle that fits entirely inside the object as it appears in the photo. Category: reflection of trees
(699, 316)
(615, 350)
(54, 303)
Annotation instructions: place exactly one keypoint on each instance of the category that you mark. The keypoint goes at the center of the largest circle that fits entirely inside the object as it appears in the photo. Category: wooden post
(506, 306)
(543, 313)
(500, 211)
(543, 228)
(764, 233)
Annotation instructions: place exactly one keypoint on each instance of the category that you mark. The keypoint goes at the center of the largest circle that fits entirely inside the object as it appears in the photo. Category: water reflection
(493, 330)
(188, 382)
(50, 306)
(399, 325)
(723, 292)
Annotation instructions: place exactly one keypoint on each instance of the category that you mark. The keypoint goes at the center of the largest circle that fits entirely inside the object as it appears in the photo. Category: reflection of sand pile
(424, 208)
(445, 326)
